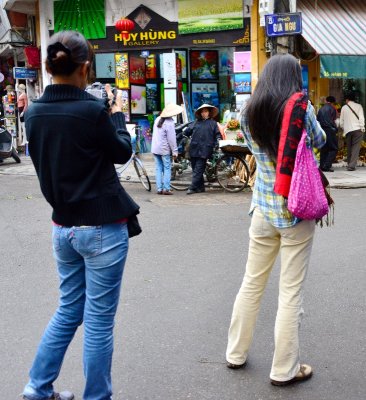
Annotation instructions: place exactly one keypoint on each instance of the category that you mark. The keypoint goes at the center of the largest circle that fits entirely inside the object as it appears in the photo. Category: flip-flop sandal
(304, 374)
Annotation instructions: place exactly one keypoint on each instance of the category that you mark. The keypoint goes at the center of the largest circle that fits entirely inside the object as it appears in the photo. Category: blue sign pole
(283, 24)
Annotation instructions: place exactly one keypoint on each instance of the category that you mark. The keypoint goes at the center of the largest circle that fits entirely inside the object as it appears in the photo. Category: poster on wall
(145, 136)
(188, 114)
(226, 57)
(125, 105)
(223, 16)
(204, 87)
(138, 99)
(151, 69)
(170, 96)
(122, 79)
(243, 83)
(105, 65)
(204, 64)
(170, 71)
(182, 57)
(200, 98)
(241, 101)
(151, 97)
(137, 70)
(242, 61)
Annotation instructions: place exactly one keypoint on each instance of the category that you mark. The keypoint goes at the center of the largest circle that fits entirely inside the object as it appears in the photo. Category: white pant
(266, 241)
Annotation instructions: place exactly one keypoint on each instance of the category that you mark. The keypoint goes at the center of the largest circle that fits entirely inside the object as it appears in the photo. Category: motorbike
(8, 145)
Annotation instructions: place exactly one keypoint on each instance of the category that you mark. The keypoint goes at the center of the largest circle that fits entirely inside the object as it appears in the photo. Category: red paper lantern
(124, 25)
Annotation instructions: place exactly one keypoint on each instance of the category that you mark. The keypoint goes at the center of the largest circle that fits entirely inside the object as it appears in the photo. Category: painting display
(223, 16)
(122, 78)
(182, 63)
(204, 87)
(145, 136)
(138, 99)
(151, 70)
(199, 98)
(105, 65)
(204, 64)
(243, 83)
(151, 97)
(242, 61)
(126, 105)
(137, 70)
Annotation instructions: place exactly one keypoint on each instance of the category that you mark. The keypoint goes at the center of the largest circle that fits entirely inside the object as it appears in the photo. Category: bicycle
(227, 167)
(137, 163)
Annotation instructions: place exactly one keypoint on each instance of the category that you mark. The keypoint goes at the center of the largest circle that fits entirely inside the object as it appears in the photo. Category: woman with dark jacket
(74, 142)
(205, 136)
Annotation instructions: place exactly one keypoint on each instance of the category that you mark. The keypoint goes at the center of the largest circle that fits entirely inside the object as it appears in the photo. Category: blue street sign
(283, 24)
(24, 73)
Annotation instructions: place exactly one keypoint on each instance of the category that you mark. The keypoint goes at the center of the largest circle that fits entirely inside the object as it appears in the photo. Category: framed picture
(199, 98)
(105, 65)
(204, 64)
(204, 87)
(151, 97)
(145, 137)
(242, 61)
(241, 101)
(151, 69)
(121, 65)
(137, 70)
(182, 63)
(243, 83)
(126, 105)
(138, 99)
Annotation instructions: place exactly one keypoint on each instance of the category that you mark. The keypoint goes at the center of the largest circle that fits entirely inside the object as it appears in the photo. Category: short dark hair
(330, 99)
(66, 51)
(350, 96)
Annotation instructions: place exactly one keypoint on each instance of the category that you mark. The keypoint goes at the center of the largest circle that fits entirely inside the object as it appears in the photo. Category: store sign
(24, 73)
(161, 33)
(344, 67)
(283, 24)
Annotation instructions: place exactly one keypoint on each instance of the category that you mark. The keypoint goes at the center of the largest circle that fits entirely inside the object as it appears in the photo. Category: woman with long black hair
(272, 123)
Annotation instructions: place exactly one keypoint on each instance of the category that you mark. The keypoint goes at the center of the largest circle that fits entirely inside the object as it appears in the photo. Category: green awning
(337, 66)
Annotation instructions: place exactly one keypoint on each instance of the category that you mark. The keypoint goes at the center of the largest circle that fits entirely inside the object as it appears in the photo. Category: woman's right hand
(117, 102)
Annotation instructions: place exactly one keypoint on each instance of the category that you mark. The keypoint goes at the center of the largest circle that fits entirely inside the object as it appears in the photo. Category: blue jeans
(162, 171)
(90, 261)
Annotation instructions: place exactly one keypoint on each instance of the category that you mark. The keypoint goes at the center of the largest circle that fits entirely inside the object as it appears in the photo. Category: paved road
(181, 278)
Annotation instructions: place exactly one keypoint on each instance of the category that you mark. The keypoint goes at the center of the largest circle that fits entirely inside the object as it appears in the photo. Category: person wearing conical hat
(163, 145)
(205, 135)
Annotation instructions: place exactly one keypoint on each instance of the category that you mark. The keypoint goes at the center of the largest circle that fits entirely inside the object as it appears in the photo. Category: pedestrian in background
(163, 146)
(74, 142)
(273, 141)
(352, 121)
(205, 136)
(327, 116)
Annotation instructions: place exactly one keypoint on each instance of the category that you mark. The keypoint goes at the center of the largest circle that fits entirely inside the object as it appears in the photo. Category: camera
(97, 89)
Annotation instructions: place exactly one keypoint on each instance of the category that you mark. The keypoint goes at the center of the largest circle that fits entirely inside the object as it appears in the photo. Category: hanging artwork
(145, 137)
(151, 97)
(105, 65)
(242, 61)
(137, 70)
(138, 99)
(204, 64)
(122, 80)
(151, 72)
(126, 105)
(182, 57)
(243, 83)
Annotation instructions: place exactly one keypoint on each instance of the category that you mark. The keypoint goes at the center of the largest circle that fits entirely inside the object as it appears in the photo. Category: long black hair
(161, 121)
(280, 78)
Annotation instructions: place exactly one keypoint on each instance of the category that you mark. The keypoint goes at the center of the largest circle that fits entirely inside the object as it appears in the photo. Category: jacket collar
(59, 92)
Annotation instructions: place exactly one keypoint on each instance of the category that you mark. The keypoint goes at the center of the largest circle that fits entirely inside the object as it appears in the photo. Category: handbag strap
(354, 112)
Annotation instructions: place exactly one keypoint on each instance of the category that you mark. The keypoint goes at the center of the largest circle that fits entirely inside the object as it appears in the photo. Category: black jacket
(326, 117)
(205, 135)
(74, 143)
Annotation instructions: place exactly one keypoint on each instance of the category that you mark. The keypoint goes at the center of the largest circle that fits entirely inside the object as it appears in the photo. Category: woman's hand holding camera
(115, 100)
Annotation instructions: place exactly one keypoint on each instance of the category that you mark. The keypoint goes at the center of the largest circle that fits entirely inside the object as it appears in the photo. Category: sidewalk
(340, 178)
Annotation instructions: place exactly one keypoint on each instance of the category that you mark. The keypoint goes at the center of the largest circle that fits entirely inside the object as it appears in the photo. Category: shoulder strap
(354, 112)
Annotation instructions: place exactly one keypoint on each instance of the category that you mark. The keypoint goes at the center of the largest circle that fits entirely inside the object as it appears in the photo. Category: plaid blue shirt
(272, 205)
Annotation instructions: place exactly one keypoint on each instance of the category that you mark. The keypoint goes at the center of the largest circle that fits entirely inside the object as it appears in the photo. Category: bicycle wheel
(142, 174)
(232, 173)
(181, 174)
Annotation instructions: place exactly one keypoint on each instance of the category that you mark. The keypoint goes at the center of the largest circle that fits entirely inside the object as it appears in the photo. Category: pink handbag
(306, 199)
